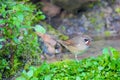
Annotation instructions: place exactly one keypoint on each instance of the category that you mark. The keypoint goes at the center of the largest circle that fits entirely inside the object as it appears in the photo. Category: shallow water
(94, 50)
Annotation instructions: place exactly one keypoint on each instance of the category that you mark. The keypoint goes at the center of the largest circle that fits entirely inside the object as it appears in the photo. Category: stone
(50, 9)
(70, 5)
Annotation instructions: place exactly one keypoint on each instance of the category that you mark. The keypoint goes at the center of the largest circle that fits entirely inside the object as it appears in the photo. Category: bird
(77, 45)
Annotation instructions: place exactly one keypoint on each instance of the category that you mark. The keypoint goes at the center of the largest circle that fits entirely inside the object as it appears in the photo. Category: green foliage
(18, 42)
(104, 67)
(117, 10)
(39, 28)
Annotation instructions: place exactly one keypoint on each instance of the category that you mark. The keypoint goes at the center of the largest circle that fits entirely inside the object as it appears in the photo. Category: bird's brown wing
(69, 43)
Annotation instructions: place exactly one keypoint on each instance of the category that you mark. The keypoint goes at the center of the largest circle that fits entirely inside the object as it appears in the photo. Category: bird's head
(87, 39)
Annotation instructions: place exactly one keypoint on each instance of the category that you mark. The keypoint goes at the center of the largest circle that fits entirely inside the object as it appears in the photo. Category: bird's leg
(76, 58)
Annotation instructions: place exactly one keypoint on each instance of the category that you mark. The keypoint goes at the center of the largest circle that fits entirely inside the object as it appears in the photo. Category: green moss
(107, 33)
(117, 10)
(102, 67)
(55, 32)
(20, 41)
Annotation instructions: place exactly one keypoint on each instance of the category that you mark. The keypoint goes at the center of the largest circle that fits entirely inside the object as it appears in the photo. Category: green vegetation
(19, 49)
(18, 43)
(117, 10)
(55, 32)
(104, 67)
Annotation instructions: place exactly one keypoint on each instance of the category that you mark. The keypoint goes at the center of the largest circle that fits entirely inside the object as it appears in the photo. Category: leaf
(115, 53)
(1, 46)
(2, 21)
(33, 68)
(16, 22)
(25, 8)
(42, 17)
(100, 68)
(16, 40)
(112, 65)
(78, 78)
(39, 28)
(25, 26)
(112, 49)
(30, 73)
(2, 39)
(34, 78)
(39, 12)
(24, 72)
(20, 78)
(105, 51)
(66, 78)
(48, 77)
(20, 16)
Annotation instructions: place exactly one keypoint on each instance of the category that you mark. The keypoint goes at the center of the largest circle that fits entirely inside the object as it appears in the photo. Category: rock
(50, 9)
(70, 5)
(116, 26)
(107, 11)
(51, 44)
(47, 38)
(71, 26)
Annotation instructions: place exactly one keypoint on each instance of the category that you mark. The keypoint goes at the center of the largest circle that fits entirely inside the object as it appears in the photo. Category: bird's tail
(62, 43)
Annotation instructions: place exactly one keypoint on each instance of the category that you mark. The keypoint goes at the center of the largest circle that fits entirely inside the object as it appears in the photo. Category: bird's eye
(86, 40)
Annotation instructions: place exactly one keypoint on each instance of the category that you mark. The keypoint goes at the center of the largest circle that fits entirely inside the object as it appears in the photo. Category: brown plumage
(76, 45)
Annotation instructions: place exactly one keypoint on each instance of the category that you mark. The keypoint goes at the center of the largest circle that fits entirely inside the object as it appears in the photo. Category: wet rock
(116, 26)
(107, 11)
(71, 5)
(101, 21)
(70, 26)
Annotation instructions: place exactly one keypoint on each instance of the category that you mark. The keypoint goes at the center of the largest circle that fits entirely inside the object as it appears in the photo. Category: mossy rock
(56, 33)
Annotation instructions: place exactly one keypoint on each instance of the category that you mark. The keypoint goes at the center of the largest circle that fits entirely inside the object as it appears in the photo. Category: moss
(107, 33)
(117, 10)
(55, 32)
(63, 37)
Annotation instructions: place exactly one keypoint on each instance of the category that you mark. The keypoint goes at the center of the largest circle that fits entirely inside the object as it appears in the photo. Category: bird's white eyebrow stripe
(86, 42)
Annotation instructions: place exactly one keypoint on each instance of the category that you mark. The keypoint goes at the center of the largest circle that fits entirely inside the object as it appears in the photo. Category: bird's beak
(87, 42)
